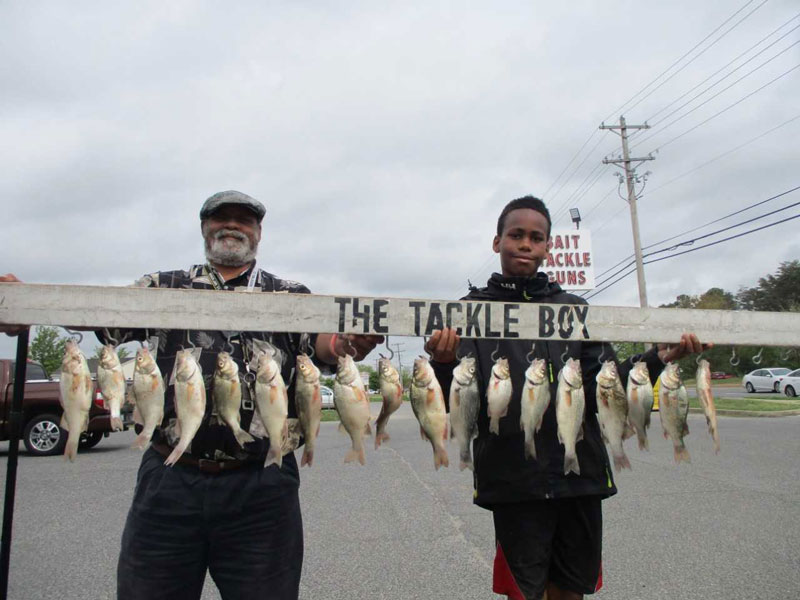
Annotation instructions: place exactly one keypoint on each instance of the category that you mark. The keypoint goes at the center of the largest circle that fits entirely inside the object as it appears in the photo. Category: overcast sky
(385, 138)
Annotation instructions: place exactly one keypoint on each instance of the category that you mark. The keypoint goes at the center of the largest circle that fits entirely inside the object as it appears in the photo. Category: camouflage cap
(219, 199)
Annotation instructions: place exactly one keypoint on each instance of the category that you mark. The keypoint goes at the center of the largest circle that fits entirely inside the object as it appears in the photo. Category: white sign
(570, 263)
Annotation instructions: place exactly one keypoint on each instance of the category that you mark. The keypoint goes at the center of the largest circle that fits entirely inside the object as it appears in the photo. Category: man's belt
(211, 467)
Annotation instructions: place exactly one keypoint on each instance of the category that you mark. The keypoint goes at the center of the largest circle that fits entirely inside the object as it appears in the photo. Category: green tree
(779, 292)
(47, 348)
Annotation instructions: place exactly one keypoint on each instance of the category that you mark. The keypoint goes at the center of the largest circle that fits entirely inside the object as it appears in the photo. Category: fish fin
(137, 416)
(666, 437)
(422, 434)
(71, 449)
(356, 454)
(64, 424)
(643, 443)
(628, 431)
(647, 421)
(716, 443)
(494, 425)
(580, 434)
(571, 464)
(116, 424)
(367, 429)
(341, 428)
(686, 429)
(308, 457)
(430, 398)
(466, 460)
(634, 397)
(440, 457)
(456, 400)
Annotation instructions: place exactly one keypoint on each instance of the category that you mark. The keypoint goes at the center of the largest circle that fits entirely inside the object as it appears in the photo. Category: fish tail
(242, 437)
(530, 447)
(308, 457)
(494, 425)
(274, 456)
(116, 424)
(380, 437)
(176, 453)
(622, 462)
(356, 453)
(440, 457)
(71, 449)
(715, 437)
(141, 441)
(643, 443)
(571, 463)
(682, 454)
(466, 459)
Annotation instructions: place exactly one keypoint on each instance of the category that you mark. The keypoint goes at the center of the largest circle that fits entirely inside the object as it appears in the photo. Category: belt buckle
(208, 466)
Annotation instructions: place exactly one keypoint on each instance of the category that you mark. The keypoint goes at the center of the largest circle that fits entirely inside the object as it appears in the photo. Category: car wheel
(90, 439)
(749, 387)
(789, 391)
(43, 436)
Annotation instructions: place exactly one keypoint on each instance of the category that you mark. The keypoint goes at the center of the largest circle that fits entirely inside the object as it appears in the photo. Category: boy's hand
(689, 344)
(443, 345)
(11, 329)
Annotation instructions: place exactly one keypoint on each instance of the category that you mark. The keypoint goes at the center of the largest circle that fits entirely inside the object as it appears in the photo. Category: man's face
(523, 244)
(231, 236)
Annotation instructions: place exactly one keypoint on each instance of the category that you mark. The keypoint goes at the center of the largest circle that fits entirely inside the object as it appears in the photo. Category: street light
(575, 214)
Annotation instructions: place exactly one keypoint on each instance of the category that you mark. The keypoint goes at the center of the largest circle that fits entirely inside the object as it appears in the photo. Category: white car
(790, 384)
(326, 395)
(764, 380)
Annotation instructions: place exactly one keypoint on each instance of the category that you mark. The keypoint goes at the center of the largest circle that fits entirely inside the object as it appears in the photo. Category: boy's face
(523, 244)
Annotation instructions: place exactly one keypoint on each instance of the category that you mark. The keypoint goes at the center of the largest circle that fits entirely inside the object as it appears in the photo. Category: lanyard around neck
(218, 283)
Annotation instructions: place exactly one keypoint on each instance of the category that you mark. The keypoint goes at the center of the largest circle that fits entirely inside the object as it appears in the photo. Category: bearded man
(219, 509)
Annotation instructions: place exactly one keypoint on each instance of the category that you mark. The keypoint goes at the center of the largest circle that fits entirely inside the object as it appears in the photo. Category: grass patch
(752, 404)
(330, 414)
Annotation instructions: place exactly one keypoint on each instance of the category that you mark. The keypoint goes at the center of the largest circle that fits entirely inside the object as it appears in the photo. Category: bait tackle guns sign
(570, 262)
(131, 307)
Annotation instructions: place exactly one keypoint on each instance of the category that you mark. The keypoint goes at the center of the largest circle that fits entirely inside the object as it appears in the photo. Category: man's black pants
(243, 526)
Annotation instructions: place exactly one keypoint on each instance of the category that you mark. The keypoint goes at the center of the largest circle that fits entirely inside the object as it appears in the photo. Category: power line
(547, 191)
(727, 239)
(714, 116)
(616, 111)
(698, 55)
(687, 113)
(679, 98)
(705, 235)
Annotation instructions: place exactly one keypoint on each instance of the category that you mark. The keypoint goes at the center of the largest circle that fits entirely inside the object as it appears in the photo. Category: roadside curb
(751, 413)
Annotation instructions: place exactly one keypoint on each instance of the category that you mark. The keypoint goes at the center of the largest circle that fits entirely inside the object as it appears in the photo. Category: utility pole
(626, 161)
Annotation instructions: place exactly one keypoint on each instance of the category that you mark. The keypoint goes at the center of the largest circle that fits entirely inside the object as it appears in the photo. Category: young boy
(548, 525)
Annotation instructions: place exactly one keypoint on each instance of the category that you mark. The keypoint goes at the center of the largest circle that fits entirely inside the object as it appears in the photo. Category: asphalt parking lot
(724, 527)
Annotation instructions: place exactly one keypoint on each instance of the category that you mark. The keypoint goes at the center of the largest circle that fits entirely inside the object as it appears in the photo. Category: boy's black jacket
(502, 473)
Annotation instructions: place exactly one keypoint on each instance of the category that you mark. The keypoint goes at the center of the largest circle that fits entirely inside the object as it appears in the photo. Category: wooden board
(96, 307)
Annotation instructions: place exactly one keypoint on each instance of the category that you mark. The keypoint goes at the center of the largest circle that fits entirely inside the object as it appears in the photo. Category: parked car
(41, 412)
(326, 394)
(720, 375)
(790, 384)
(764, 380)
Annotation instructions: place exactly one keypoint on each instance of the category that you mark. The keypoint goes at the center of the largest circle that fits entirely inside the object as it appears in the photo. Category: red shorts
(541, 541)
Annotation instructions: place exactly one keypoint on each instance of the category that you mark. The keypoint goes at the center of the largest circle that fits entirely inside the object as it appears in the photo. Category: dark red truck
(41, 412)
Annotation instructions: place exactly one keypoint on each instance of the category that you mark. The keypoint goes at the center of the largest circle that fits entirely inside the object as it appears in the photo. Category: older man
(218, 509)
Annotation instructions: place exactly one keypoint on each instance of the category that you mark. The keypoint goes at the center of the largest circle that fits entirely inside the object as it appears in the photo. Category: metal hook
(77, 334)
(529, 355)
(189, 339)
(735, 360)
(311, 351)
(564, 356)
(758, 358)
(602, 353)
(388, 347)
(496, 351)
(349, 344)
(785, 356)
(110, 337)
(229, 344)
(698, 359)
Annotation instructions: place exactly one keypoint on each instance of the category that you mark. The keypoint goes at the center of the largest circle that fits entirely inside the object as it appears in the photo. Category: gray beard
(230, 253)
